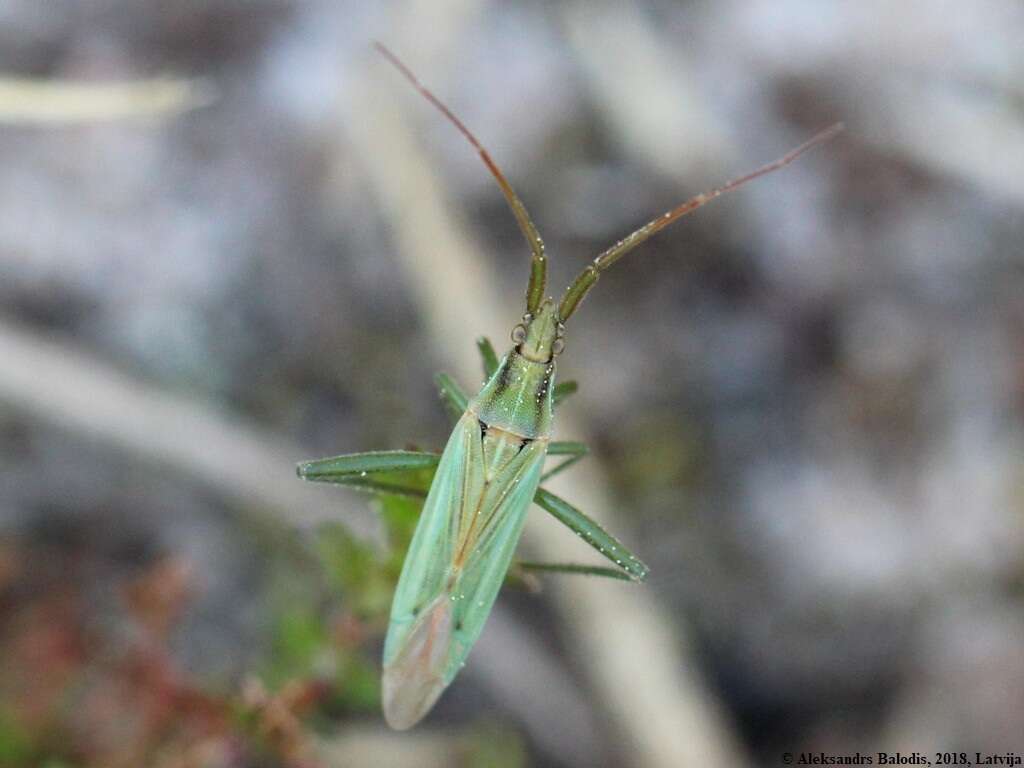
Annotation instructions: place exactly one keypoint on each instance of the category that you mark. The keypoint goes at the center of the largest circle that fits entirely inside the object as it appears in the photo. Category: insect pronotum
(491, 468)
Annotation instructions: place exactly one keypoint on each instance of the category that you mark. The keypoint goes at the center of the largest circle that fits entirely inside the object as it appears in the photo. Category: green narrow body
(491, 468)
(467, 533)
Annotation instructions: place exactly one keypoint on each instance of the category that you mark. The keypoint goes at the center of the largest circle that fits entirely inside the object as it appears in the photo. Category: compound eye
(557, 346)
(519, 334)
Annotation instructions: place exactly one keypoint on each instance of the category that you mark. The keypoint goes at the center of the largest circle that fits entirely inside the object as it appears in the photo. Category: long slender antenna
(538, 266)
(575, 293)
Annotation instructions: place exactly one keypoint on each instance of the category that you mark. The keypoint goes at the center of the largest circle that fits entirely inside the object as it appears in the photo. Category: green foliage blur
(77, 693)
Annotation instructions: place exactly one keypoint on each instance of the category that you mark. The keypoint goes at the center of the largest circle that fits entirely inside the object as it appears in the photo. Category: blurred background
(232, 238)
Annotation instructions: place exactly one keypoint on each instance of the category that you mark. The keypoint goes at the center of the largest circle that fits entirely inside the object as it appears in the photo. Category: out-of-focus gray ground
(806, 398)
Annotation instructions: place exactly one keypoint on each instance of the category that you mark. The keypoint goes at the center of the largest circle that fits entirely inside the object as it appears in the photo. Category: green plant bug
(491, 469)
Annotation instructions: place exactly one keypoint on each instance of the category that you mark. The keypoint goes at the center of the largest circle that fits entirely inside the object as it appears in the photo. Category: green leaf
(299, 637)
(356, 569)
(15, 744)
(400, 515)
(358, 685)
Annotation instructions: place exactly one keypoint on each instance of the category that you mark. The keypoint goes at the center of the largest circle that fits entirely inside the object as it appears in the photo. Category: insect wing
(453, 570)
(459, 477)
(418, 642)
(506, 500)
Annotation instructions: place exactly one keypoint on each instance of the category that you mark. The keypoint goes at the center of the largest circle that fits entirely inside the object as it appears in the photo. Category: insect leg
(454, 398)
(575, 451)
(573, 568)
(592, 533)
(563, 390)
(375, 471)
(488, 355)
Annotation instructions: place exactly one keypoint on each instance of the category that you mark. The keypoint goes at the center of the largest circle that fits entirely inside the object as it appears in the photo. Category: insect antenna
(585, 280)
(538, 265)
